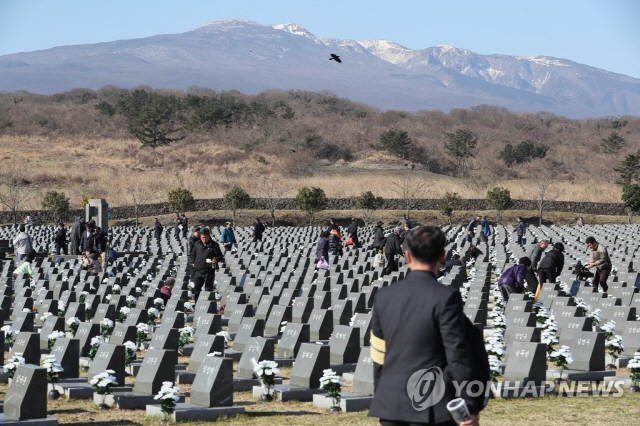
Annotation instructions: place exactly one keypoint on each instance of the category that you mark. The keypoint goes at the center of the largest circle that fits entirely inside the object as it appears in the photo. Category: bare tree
(409, 189)
(140, 195)
(273, 191)
(542, 187)
(18, 191)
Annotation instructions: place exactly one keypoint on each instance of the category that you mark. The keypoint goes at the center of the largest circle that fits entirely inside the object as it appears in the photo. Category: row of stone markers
(277, 306)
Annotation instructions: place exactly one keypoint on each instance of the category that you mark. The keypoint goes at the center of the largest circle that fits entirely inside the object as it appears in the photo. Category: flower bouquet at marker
(265, 371)
(168, 395)
(330, 383)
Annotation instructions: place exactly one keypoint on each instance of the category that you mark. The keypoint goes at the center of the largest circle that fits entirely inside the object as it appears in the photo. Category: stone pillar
(98, 210)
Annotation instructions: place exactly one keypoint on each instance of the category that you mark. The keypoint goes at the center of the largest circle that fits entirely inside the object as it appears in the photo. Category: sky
(600, 33)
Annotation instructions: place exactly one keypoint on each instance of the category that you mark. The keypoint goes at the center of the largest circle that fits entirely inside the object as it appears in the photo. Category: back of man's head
(22, 228)
(591, 240)
(426, 244)
(559, 247)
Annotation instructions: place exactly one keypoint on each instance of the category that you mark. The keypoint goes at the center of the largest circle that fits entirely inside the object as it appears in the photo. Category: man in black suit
(88, 239)
(419, 332)
(392, 247)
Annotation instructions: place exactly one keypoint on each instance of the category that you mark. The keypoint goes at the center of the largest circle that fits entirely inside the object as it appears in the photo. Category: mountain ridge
(251, 57)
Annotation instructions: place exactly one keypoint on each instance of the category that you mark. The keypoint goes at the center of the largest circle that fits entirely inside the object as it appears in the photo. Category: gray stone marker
(109, 357)
(203, 346)
(587, 349)
(172, 320)
(208, 324)
(527, 363)
(75, 309)
(86, 332)
(250, 327)
(26, 397)
(28, 344)
(311, 361)
(321, 324)
(158, 366)
(363, 377)
(258, 348)
(277, 316)
(342, 312)
(345, 345)
(631, 338)
(294, 335)
(165, 338)
(51, 324)
(363, 323)
(213, 385)
(67, 352)
(23, 321)
(239, 312)
(136, 316)
(123, 333)
(302, 310)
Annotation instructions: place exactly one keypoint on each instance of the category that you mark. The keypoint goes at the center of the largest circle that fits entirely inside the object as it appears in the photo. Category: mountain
(251, 58)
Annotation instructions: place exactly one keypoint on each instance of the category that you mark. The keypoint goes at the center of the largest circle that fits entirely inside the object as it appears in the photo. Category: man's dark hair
(22, 228)
(31, 255)
(196, 229)
(426, 243)
(61, 224)
(324, 234)
(591, 240)
(524, 261)
(559, 247)
(205, 231)
(456, 256)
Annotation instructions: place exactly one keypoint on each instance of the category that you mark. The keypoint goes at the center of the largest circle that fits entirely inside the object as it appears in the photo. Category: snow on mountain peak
(225, 23)
(543, 60)
(294, 29)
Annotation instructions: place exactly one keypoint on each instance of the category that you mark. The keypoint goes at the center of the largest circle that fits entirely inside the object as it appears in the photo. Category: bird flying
(336, 58)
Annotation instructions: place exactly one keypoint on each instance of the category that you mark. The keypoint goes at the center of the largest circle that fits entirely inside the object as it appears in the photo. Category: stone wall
(128, 212)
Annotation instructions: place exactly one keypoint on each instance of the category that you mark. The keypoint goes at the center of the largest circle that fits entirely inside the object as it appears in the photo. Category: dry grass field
(114, 168)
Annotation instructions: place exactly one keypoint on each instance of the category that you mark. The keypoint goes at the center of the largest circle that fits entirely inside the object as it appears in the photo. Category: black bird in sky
(336, 58)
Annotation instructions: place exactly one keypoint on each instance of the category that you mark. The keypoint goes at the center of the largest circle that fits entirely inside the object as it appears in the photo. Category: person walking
(599, 259)
(352, 232)
(22, 244)
(228, 237)
(392, 248)
(422, 343)
(76, 235)
(521, 229)
(258, 230)
(102, 245)
(378, 237)
(204, 259)
(322, 251)
(550, 267)
(486, 229)
(404, 221)
(157, 229)
(471, 228)
(177, 223)
(88, 239)
(185, 226)
(60, 239)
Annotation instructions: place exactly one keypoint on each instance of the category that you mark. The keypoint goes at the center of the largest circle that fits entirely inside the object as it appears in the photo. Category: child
(379, 261)
(25, 267)
(165, 291)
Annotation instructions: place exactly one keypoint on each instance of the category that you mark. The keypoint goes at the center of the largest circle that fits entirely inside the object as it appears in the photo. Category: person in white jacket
(22, 244)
